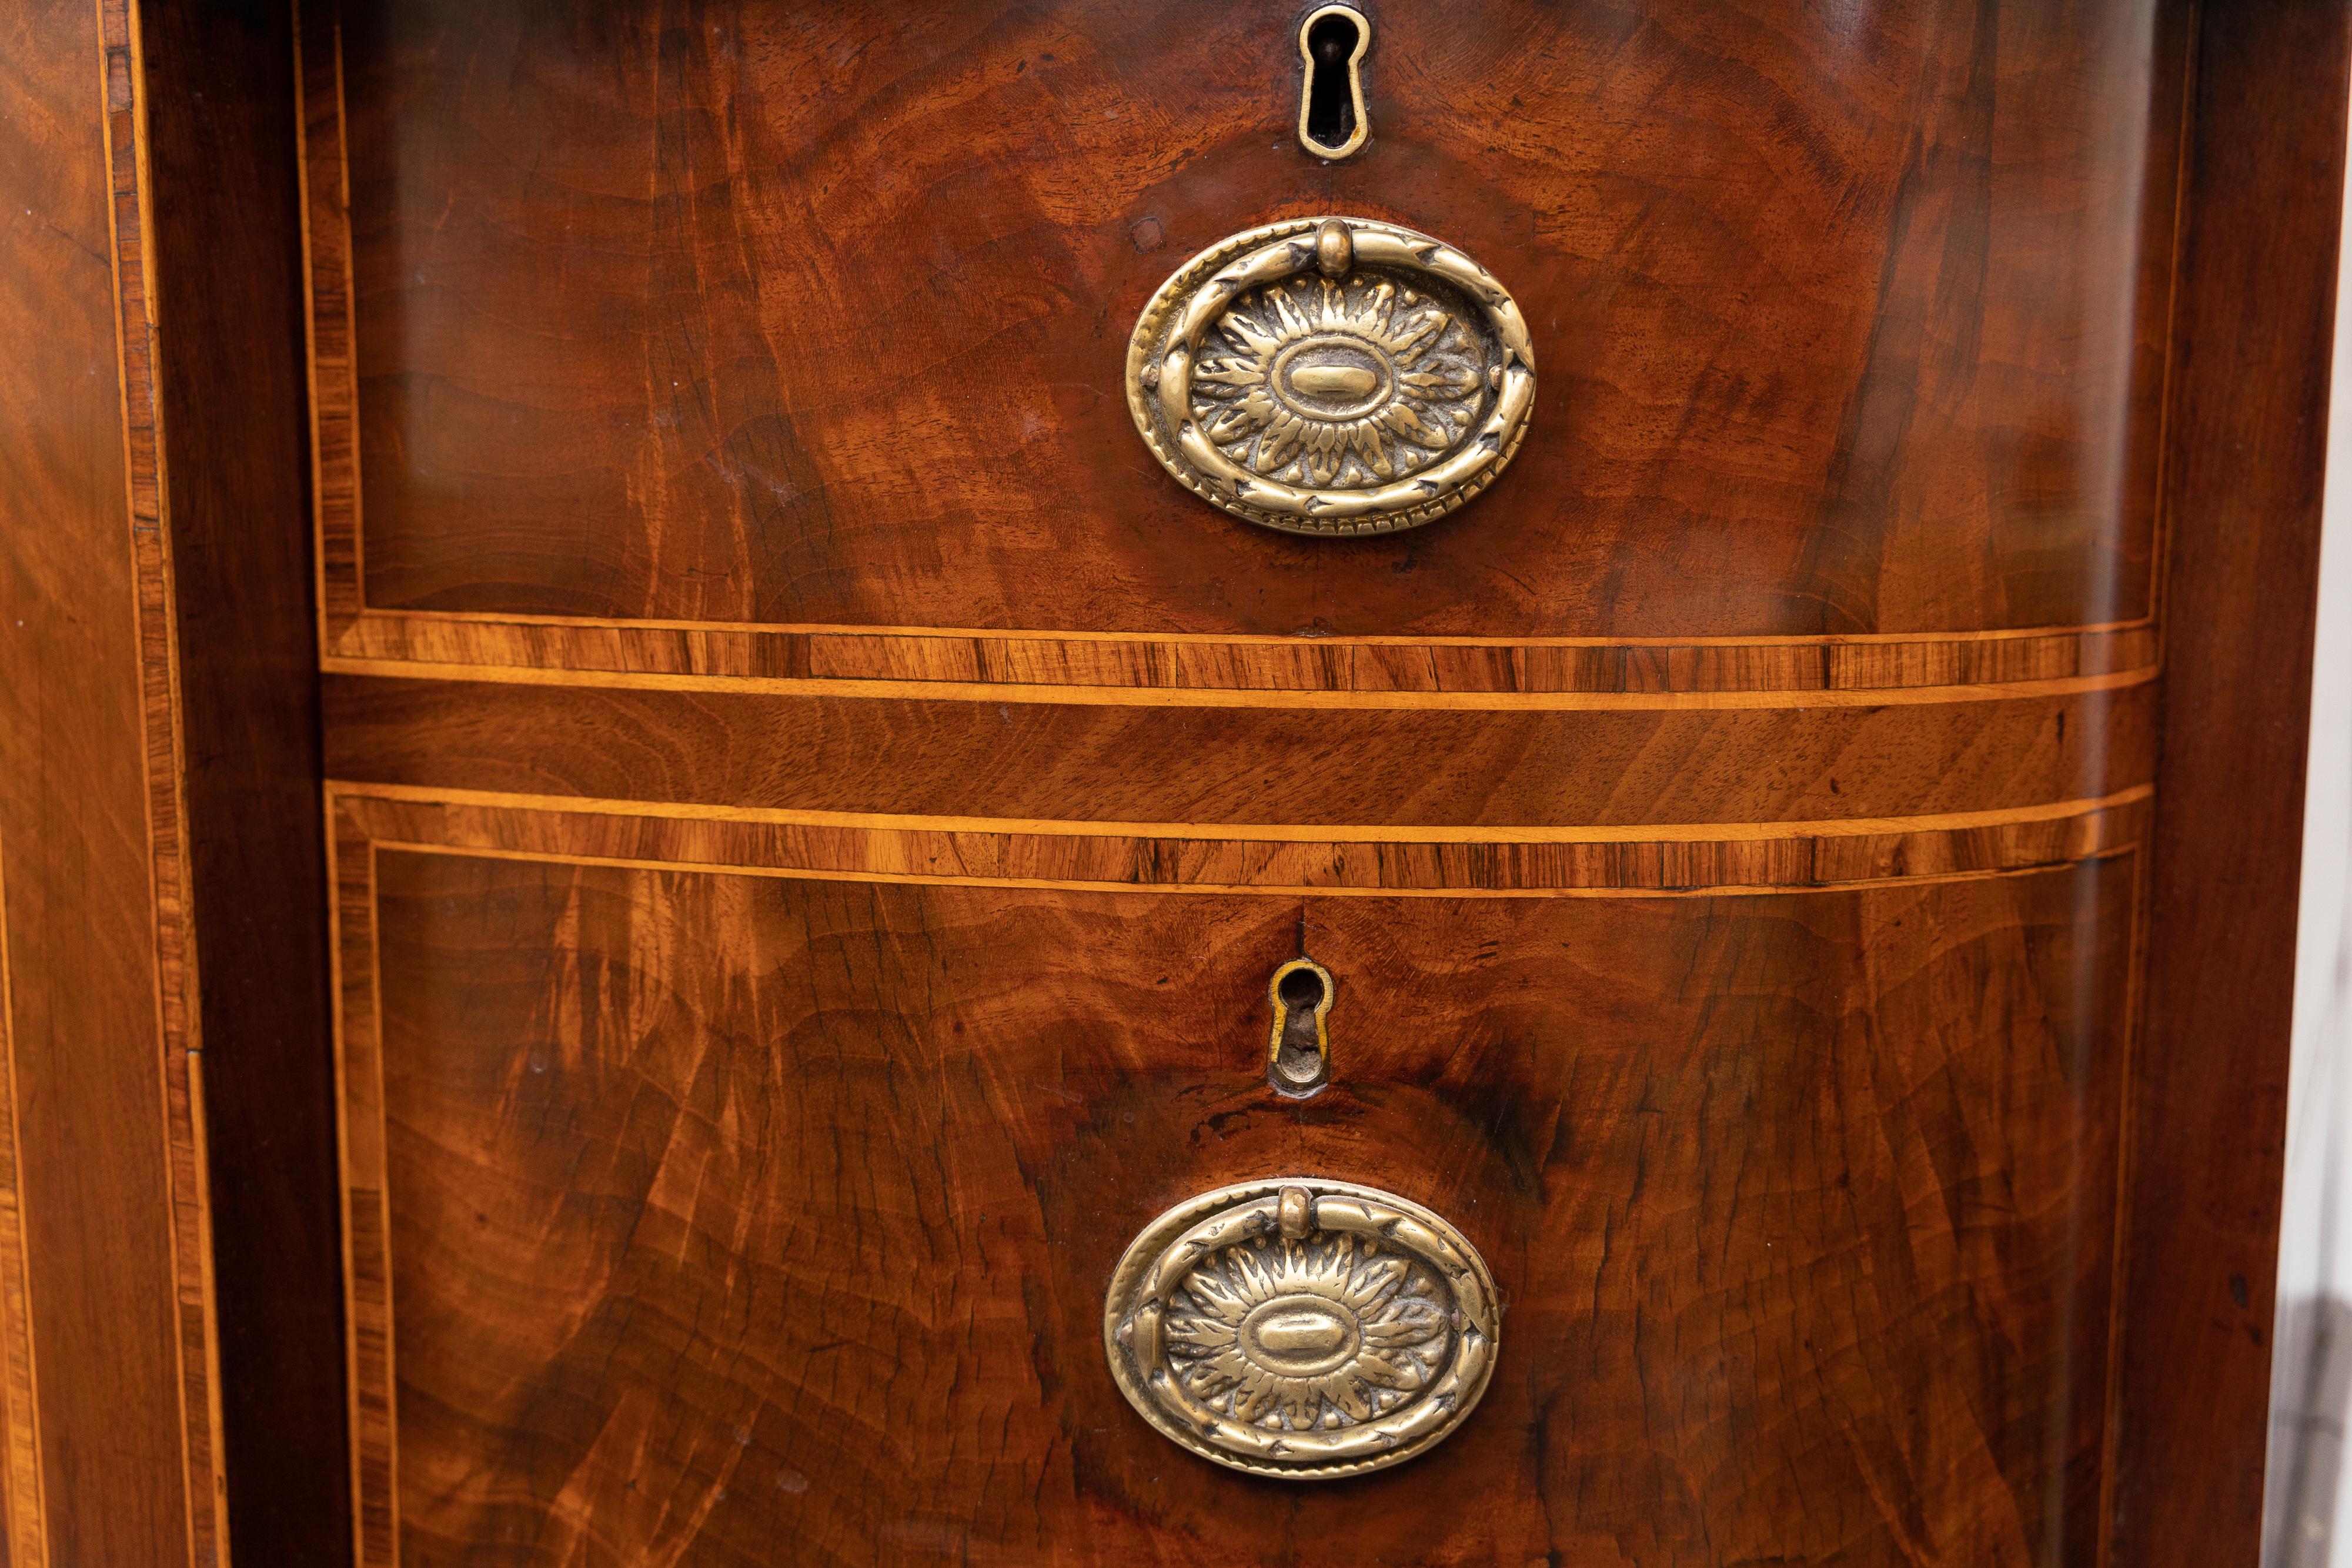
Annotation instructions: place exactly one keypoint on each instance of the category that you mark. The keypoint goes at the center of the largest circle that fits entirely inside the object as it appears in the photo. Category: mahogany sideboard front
(639, 831)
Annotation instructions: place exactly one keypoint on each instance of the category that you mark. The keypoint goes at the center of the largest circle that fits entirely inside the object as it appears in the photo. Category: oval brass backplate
(1302, 1328)
(1332, 376)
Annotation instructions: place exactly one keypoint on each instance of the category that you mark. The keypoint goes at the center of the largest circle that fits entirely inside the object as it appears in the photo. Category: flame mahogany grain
(1848, 320)
(728, 1210)
(797, 630)
(641, 1041)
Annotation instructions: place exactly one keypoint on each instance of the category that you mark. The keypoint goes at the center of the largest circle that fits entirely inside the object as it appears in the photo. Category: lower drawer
(707, 1215)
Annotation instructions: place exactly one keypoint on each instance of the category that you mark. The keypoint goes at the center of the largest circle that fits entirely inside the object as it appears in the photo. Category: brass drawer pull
(1302, 1328)
(1332, 376)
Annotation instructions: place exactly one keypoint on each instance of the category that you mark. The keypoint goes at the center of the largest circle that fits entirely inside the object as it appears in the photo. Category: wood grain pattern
(1066, 761)
(176, 983)
(100, 990)
(1195, 696)
(2259, 283)
(764, 322)
(23, 1531)
(1480, 861)
(814, 809)
(699, 1243)
(327, 316)
(1802, 667)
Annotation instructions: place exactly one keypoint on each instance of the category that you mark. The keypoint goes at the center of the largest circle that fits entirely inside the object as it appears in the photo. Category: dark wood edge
(230, 377)
(2246, 448)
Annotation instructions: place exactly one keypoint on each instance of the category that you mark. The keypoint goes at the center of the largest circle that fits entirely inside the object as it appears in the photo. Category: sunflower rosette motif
(1338, 384)
(1332, 376)
(1306, 1329)
(1295, 1336)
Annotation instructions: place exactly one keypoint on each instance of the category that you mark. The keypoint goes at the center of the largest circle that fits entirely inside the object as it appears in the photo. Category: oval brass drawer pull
(1302, 1328)
(1332, 376)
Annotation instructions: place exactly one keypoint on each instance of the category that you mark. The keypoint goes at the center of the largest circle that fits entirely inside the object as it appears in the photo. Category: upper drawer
(1847, 323)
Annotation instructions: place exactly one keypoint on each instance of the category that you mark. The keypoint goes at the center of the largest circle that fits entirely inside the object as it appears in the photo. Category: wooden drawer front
(816, 809)
(778, 318)
(701, 1209)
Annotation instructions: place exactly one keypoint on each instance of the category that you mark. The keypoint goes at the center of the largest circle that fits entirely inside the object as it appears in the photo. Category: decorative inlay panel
(1171, 858)
(700, 1039)
(1460, 668)
(845, 434)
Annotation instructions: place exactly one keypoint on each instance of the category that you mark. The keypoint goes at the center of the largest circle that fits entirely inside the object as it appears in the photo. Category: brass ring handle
(1332, 376)
(1302, 1328)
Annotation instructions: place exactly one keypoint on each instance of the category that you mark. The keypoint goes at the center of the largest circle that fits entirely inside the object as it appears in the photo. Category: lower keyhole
(1302, 995)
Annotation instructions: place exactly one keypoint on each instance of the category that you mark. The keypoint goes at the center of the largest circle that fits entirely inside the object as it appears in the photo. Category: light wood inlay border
(1539, 862)
(1482, 672)
(327, 283)
(1228, 697)
(20, 1404)
(122, 74)
(367, 1263)
(366, 821)
(1013, 665)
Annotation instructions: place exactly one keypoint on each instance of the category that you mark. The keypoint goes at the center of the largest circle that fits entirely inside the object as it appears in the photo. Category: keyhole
(1331, 99)
(1300, 1062)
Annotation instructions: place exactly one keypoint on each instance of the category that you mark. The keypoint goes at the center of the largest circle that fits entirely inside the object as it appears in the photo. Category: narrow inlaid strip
(1505, 862)
(1414, 639)
(1375, 668)
(1197, 695)
(20, 1438)
(122, 79)
(367, 1262)
(326, 285)
(1014, 664)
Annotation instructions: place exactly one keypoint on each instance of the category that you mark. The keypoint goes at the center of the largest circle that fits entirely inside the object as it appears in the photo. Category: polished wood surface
(1256, 763)
(23, 1528)
(112, 1452)
(1290, 858)
(589, 572)
(815, 809)
(2254, 348)
(764, 320)
(738, 572)
(652, 652)
(702, 1239)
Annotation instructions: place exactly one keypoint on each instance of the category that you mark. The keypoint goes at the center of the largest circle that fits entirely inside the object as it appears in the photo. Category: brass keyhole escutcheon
(1299, 1059)
(1333, 41)
(1332, 376)
(1302, 1328)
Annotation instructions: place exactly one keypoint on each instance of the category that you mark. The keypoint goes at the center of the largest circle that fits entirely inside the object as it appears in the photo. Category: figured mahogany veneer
(722, 1212)
(814, 809)
(683, 652)
(636, 832)
(1258, 762)
(1850, 323)
(1418, 859)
